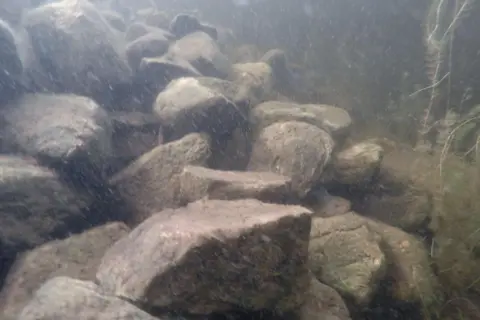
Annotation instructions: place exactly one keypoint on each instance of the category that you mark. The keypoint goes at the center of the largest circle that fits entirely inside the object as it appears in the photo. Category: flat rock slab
(212, 256)
(151, 183)
(77, 257)
(70, 299)
(336, 121)
(199, 182)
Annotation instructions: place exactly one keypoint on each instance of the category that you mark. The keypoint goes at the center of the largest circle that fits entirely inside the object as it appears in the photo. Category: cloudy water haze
(239, 160)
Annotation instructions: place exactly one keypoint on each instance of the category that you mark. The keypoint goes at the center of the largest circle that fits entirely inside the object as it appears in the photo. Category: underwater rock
(61, 35)
(347, 256)
(151, 183)
(212, 256)
(410, 271)
(77, 256)
(153, 44)
(257, 77)
(334, 120)
(154, 74)
(235, 92)
(162, 70)
(35, 205)
(67, 298)
(69, 133)
(323, 303)
(201, 51)
(294, 149)
(199, 182)
(184, 24)
(411, 279)
(357, 164)
(186, 105)
(134, 133)
(399, 197)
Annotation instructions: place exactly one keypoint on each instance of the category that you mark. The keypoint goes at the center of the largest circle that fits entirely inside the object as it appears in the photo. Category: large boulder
(202, 52)
(199, 182)
(70, 133)
(77, 48)
(77, 256)
(186, 105)
(151, 183)
(35, 205)
(347, 256)
(213, 256)
(297, 150)
(67, 298)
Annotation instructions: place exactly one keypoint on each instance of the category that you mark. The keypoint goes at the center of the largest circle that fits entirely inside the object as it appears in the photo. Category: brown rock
(77, 257)
(151, 184)
(212, 256)
(357, 164)
(199, 182)
(410, 272)
(70, 299)
(323, 303)
(346, 255)
(294, 149)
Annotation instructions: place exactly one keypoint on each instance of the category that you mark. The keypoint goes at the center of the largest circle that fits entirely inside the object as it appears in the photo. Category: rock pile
(144, 175)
